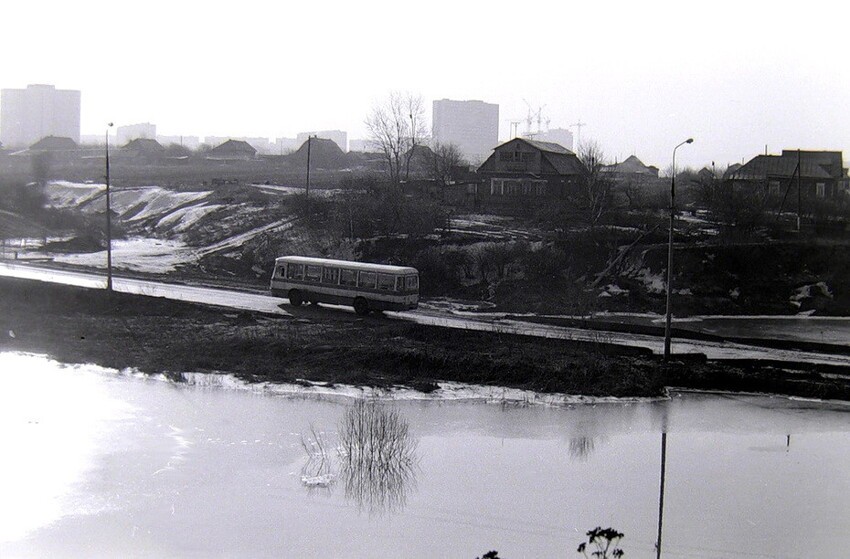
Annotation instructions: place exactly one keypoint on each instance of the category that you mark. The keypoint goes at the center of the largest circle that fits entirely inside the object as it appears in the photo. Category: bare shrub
(384, 210)
(445, 267)
(27, 199)
(494, 260)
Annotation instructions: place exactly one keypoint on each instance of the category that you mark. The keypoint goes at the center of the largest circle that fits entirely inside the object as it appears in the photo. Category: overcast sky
(642, 76)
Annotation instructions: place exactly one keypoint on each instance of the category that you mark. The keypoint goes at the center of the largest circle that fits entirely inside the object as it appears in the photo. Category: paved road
(265, 303)
(226, 298)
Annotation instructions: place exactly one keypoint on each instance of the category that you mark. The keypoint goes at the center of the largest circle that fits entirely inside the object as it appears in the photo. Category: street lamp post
(108, 220)
(670, 253)
(309, 144)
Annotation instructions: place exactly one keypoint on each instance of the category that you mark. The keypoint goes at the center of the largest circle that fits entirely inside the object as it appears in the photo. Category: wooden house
(528, 172)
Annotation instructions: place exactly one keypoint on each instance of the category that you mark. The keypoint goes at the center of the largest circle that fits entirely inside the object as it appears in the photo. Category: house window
(820, 190)
(773, 188)
(514, 187)
(539, 187)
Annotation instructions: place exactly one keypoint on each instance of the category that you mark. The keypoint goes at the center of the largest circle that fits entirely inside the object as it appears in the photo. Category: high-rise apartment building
(473, 126)
(28, 115)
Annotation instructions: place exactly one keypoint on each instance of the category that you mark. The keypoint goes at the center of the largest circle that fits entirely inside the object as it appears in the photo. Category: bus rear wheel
(295, 298)
(361, 306)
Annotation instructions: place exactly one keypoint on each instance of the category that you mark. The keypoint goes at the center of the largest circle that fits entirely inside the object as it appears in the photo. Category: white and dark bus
(366, 287)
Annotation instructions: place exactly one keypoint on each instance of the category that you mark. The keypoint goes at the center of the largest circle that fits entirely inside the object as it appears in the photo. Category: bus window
(295, 271)
(348, 277)
(399, 283)
(386, 282)
(412, 282)
(330, 275)
(281, 271)
(313, 273)
(367, 280)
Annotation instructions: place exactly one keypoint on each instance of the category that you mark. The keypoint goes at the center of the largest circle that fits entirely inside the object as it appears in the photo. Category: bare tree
(396, 127)
(445, 160)
(593, 197)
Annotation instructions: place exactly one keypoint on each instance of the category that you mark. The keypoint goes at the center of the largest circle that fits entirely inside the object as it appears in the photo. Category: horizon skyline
(640, 78)
(113, 132)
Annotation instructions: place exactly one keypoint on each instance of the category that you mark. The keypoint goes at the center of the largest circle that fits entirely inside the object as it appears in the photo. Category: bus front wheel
(295, 298)
(361, 306)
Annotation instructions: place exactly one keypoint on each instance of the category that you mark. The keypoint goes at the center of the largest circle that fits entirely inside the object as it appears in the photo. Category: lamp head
(110, 125)
(688, 141)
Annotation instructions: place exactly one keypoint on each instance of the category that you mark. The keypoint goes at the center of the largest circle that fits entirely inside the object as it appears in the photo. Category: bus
(366, 287)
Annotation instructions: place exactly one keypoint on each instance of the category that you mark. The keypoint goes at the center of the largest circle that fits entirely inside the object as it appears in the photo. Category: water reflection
(376, 458)
(378, 487)
(379, 457)
(317, 472)
(581, 447)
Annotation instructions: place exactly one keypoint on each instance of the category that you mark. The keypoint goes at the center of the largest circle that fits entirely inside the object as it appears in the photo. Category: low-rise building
(522, 171)
(54, 144)
(143, 149)
(821, 174)
(339, 137)
(233, 150)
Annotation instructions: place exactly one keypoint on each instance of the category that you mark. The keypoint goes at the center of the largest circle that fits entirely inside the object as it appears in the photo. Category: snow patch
(65, 194)
(447, 391)
(613, 290)
(138, 254)
(654, 283)
(812, 290)
(151, 201)
(184, 218)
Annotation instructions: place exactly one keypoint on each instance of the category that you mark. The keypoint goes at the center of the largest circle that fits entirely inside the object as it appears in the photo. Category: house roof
(323, 153)
(731, 170)
(831, 161)
(565, 163)
(234, 147)
(548, 147)
(631, 166)
(765, 166)
(144, 144)
(54, 143)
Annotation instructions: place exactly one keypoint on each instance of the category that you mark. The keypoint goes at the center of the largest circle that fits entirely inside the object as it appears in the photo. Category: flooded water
(807, 328)
(98, 464)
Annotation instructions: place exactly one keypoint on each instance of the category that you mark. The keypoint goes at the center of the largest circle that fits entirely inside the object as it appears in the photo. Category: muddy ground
(156, 335)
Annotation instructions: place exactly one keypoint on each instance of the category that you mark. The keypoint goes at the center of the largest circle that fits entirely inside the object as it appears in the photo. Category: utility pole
(661, 493)
(577, 126)
(799, 193)
(307, 189)
(108, 220)
(669, 313)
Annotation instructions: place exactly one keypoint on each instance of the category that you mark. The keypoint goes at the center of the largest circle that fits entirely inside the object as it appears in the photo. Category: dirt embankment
(757, 278)
(161, 336)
